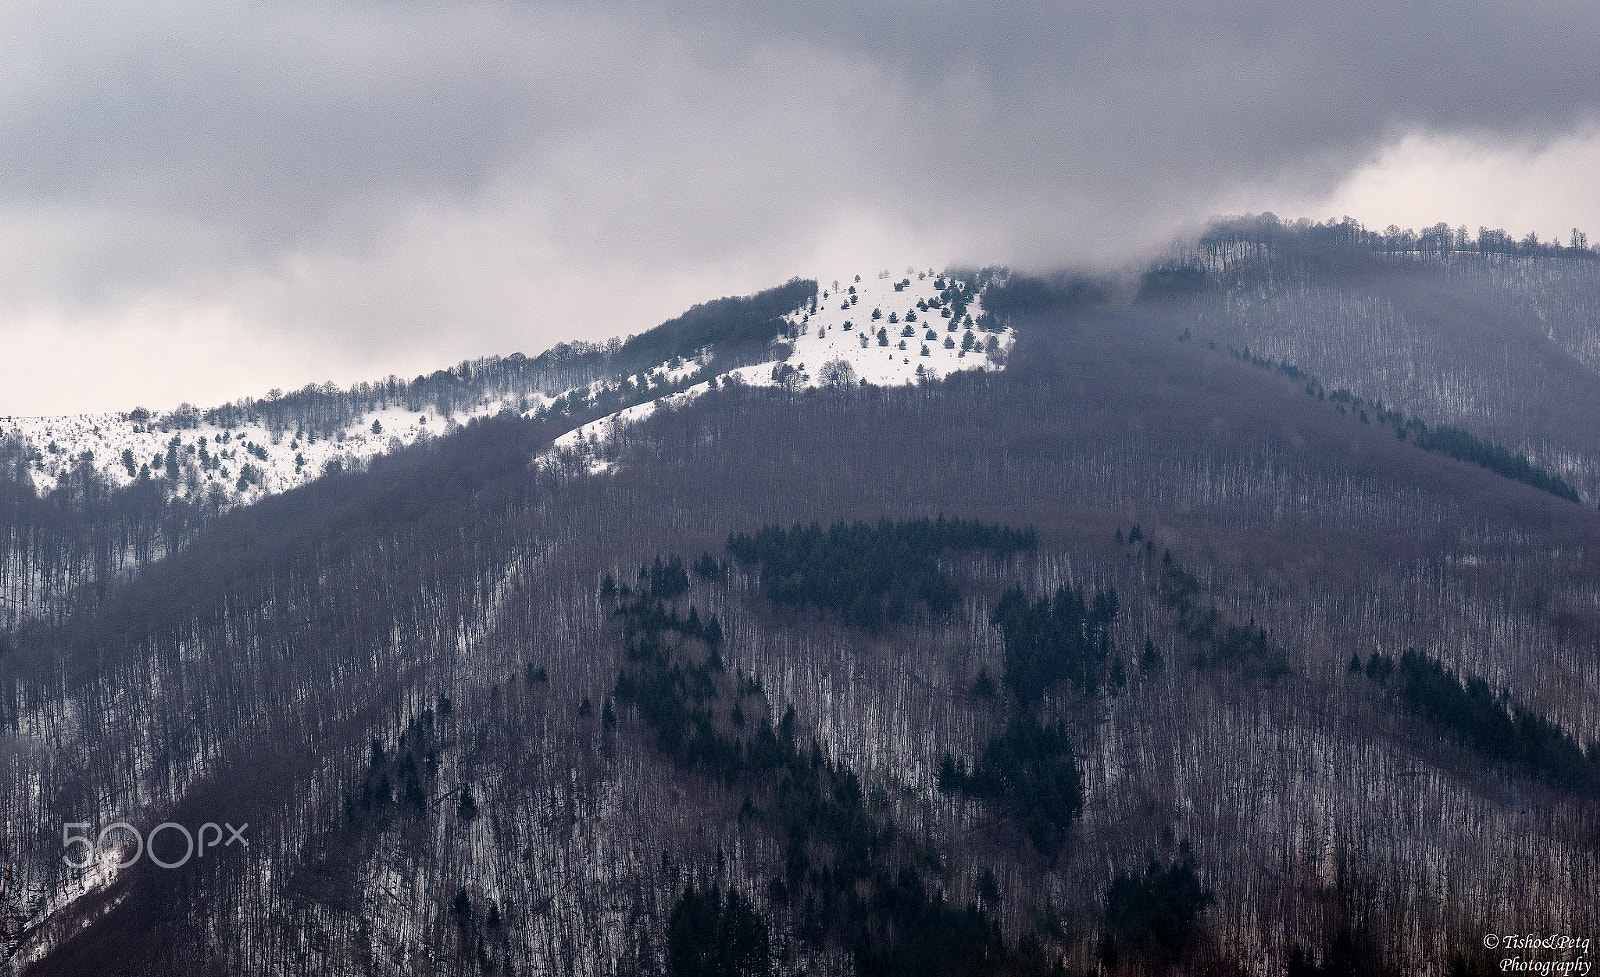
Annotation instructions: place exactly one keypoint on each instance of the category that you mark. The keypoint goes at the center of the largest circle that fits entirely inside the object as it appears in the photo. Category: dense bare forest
(1499, 338)
(1141, 655)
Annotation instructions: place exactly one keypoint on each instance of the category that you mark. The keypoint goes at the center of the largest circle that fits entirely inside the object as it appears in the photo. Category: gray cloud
(361, 179)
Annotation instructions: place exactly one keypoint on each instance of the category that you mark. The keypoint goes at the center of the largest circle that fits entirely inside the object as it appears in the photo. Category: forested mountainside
(1480, 332)
(119, 489)
(1135, 655)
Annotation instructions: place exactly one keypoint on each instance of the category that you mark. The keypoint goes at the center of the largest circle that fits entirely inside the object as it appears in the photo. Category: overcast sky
(201, 200)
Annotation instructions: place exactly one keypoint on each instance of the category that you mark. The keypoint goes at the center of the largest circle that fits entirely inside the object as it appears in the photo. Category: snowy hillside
(888, 331)
(885, 330)
(243, 462)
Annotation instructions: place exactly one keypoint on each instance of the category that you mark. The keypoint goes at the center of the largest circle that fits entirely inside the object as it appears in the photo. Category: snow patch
(887, 330)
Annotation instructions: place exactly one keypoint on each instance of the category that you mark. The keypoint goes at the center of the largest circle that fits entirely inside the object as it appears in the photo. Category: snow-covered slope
(882, 329)
(890, 331)
(886, 330)
(244, 462)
